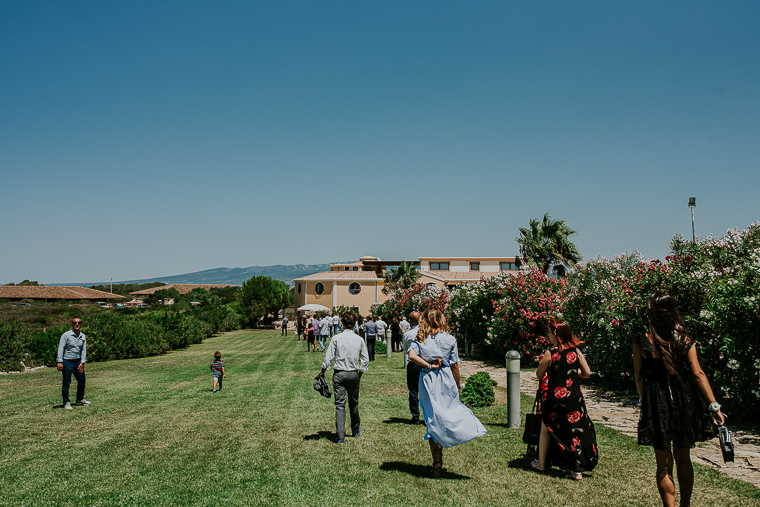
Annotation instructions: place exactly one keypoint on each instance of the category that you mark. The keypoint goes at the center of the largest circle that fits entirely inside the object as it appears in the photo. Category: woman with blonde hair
(449, 422)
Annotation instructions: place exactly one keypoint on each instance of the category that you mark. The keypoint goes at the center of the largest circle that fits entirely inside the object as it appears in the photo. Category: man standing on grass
(370, 334)
(381, 327)
(324, 330)
(72, 354)
(351, 360)
(413, 370)
(284, 326)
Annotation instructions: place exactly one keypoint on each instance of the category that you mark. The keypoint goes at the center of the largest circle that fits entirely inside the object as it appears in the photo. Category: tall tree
(262, 295)
(404, 276)
(546, 246)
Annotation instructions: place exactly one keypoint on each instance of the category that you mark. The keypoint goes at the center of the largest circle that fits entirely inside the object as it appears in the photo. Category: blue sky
(141, 139)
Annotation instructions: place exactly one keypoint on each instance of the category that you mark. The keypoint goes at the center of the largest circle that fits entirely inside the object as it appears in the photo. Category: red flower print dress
(573, 444)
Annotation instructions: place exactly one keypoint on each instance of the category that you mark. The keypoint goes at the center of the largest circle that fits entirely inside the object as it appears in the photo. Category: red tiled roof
(182, 288)
(50, 292)
(346, 275)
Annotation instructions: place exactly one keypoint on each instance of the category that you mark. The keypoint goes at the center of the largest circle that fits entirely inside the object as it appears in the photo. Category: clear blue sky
(141, 139)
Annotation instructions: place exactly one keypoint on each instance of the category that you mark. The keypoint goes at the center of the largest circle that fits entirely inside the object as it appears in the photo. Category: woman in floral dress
(568, 439)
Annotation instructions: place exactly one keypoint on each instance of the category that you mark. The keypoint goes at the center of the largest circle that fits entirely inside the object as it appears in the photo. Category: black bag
(322, 386)
(532, 432)
(726, 445)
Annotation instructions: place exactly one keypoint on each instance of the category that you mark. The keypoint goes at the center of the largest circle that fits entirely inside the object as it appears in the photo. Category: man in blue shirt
(72, 354)
(370, 331)
(413, 370)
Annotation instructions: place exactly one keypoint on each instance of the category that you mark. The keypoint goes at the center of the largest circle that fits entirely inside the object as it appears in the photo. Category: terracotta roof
(50, 292)
(182, 288)
(345, 275)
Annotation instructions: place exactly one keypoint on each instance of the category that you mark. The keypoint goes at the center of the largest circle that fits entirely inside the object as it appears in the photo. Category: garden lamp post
(692, 204)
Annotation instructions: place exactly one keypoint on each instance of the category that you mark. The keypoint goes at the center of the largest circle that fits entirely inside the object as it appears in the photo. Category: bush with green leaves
(478, 390)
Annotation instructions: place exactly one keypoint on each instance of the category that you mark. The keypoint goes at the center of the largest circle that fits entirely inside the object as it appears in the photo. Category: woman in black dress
(674, 394)
(568, 439)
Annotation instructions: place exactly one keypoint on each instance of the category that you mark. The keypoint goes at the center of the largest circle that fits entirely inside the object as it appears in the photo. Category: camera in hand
(726, 445)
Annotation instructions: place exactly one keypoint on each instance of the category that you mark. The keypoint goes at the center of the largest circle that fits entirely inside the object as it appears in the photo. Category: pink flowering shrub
(416, 299)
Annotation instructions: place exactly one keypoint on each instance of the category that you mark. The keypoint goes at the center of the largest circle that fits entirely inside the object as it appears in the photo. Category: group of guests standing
(678, 407)
(317, 331)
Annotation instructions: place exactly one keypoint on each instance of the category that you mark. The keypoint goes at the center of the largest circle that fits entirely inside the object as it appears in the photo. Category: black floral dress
(573, 444)
(674, 415)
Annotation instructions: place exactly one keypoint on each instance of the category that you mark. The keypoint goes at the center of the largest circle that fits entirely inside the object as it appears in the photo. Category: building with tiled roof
(182, 288)
(47, 293)
(360, 284)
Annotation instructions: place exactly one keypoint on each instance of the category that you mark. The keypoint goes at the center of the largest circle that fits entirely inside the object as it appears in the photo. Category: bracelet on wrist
(714, 407)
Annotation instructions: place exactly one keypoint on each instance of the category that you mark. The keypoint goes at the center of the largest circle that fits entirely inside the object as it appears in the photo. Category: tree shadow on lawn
(398, 420)
(330, 435)
(419, 470)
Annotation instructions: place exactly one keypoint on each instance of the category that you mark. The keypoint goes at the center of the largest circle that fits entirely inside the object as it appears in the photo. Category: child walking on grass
(217, 371)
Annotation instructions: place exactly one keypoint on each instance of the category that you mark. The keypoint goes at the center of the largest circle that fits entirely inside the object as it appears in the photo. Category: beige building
(359, 285)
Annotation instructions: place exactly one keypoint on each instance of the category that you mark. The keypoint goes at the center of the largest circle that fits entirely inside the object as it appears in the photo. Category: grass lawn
(156, 435)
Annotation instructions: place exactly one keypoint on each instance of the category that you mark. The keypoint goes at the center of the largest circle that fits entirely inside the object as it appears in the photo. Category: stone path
(624, 417)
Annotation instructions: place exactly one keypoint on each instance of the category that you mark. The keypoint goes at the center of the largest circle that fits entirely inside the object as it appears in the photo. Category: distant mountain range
(232, 276)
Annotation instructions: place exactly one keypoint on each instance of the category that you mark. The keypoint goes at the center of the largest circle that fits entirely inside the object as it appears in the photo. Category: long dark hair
(666, 329)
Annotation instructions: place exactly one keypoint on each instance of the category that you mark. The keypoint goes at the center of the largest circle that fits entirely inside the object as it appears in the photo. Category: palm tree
(404, 276)
(545, 245)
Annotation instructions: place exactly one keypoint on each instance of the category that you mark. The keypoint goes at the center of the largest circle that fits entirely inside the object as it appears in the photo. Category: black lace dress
(573, 444)
(674, 415)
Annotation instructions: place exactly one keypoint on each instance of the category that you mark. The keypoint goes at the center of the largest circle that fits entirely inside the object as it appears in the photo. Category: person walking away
(336, 323)
(72, 354)
(413, 370)
(395, 335)
(381, 327)
(284, 326)
(674, 394)
(370, 332)
(449, 422)
(311, 333)
(217, 371)
(349, 352)
(404, 325)
(324, 331)
(301, 326)
(568, 439)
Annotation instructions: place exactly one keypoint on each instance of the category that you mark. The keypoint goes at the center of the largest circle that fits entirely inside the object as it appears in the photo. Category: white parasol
(313, 307)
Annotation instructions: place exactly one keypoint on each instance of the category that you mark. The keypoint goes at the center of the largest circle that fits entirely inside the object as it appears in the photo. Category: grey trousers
(346, 385)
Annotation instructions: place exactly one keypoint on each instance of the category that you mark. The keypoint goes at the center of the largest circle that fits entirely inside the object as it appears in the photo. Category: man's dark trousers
(413, 384)
(371, 339)
(72, 366)
(346, 385)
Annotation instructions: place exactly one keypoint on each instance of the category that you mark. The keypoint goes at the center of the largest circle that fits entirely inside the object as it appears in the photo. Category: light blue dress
(449, 422)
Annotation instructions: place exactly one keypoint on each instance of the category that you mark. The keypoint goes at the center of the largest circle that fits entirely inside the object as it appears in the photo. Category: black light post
(692, 204)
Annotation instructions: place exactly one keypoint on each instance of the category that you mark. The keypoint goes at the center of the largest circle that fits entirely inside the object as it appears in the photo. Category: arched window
(354, 288)
(299, 287)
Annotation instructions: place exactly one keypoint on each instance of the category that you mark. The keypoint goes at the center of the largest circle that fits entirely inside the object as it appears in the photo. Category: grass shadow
(419, 470)
(398, 420)
(320, 435)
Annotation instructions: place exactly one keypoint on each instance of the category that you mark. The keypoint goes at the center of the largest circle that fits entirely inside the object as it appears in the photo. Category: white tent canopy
(313, 307)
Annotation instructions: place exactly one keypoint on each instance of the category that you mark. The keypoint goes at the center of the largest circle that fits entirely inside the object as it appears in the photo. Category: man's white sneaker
(67, 406)
(83, 402)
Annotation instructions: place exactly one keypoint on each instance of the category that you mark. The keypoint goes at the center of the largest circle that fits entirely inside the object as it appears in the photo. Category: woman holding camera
(674, 394)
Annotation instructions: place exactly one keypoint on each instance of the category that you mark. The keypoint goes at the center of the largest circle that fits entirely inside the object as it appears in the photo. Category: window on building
(474, 266)
(430, 284)
(346, 268)
(299, 287)
(319, 288)
(354, 288)
(439, 266)
(356, 268)
(507, 266)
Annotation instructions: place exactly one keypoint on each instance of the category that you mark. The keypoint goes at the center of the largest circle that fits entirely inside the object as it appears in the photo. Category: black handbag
(532, 432)
(726, 445)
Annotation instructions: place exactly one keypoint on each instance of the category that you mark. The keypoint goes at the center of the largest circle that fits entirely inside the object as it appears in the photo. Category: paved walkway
(624, 417)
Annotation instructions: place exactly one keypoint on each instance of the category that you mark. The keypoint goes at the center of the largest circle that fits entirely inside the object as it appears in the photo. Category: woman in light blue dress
(449, 422)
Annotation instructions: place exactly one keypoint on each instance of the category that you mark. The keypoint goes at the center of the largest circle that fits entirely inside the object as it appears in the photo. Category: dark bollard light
(513, 388)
